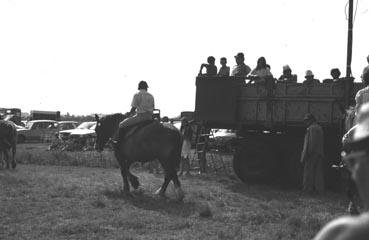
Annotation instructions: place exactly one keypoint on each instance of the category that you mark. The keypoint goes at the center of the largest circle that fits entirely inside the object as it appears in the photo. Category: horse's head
(105, 129)
(102, 133)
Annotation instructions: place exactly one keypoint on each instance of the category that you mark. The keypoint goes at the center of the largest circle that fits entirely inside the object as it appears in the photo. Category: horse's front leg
(124, 173)
(123, 170)
(133, 180)
(6, 157)
(14, 161)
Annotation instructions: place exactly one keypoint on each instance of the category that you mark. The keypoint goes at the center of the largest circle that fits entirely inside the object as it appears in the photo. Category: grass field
(75, 202)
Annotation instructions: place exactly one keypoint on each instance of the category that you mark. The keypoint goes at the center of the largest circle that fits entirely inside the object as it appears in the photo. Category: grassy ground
(37, 153)
(66, 202)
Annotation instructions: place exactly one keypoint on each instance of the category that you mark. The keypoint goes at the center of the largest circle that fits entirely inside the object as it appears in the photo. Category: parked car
(79, 139)
(18, 126)
(38, 131)
(84, 130)
(222, 139)
(66, 125)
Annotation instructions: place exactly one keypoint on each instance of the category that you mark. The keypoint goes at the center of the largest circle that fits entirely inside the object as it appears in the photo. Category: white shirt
(143, 102)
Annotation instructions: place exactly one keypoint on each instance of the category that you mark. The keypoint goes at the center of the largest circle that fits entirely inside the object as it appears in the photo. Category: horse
(149, 141)
(8, 140)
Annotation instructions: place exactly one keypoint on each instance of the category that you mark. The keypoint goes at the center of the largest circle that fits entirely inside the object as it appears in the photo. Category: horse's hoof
(159, 193)
(135, 183)
(138, 191)
(127, 194)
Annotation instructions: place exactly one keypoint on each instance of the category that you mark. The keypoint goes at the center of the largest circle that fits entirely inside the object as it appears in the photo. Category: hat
(240, 54)
(335, 71)
(286, 67)
(309, 73)
(142, 85)
(309, 116)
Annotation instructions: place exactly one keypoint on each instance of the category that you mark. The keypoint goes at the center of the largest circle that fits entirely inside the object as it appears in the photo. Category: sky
(87, 56)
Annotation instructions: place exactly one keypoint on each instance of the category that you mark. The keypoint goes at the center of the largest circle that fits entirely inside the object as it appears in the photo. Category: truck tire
(254, 161)
(21, 139)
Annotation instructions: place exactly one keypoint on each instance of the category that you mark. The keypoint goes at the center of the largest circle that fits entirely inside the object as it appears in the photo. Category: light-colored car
(67, 125)
(222, 139)
(81, 138)
(38, 131)
(84, 130)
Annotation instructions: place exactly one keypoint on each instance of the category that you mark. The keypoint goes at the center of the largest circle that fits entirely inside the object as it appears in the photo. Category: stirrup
(113, 141)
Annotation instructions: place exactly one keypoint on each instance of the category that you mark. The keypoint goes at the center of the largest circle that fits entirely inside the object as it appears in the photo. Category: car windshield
(28, 125)
(87, 125)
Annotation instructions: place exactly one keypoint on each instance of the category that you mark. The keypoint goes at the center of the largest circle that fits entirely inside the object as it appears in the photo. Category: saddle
(129, 131)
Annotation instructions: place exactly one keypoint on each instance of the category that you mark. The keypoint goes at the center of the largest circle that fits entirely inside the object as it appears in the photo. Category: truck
(268, 120)
(45, 115)
(12, 114)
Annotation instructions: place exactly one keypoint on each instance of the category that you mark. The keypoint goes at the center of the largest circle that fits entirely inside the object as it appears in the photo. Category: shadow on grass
(8, 178)
(150, 202)
(269, 192)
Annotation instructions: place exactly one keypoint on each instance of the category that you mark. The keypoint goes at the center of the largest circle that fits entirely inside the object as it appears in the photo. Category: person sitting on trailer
(357, 161)
(309, 78)
(211, 69)
(335, 73)
(287, 76)
(362, 96)
(367, 67)
(224, 69)
(241, 69)
(261, 71)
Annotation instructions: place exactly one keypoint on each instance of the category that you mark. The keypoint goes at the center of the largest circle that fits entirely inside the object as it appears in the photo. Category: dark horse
(143, 144)
(8, 140)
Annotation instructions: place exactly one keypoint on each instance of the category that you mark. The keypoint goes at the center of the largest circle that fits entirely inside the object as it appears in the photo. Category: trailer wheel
(254, 161)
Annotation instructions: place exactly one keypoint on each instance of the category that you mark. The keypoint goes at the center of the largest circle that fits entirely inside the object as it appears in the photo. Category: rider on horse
(142, 110)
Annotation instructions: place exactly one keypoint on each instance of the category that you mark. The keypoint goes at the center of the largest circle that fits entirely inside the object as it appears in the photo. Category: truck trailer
(268, 119)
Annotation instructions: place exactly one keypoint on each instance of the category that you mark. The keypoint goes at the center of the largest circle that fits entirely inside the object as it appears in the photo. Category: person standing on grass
(312, 156)
(186, 130)
(357, 161)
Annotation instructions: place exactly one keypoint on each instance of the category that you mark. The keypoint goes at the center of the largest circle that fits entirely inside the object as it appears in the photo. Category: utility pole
(349, 39)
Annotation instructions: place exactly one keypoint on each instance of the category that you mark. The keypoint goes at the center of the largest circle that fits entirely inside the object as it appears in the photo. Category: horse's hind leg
(132, 178)
(163, 188)
(1, 159)
(177, 187)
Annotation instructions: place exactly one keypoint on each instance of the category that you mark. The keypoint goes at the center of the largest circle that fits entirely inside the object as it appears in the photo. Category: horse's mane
(114, 117)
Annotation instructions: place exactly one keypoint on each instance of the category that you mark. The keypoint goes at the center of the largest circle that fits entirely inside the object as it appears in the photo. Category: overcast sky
(88, 56)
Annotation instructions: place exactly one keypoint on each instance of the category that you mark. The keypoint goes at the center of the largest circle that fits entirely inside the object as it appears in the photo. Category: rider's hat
(142, 85)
